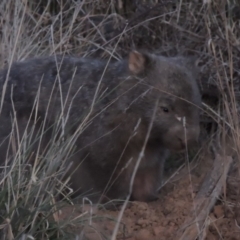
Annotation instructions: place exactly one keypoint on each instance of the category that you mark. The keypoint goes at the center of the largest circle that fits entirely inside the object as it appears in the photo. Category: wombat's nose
(192, 136)
(187, 142)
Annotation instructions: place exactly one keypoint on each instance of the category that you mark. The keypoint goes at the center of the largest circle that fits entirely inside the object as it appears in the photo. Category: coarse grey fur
(114, 131)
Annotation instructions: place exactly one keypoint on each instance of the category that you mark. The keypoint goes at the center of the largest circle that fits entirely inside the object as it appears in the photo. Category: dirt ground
(164, 218)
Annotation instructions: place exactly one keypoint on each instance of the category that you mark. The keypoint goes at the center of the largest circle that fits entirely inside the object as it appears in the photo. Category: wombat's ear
(137, 62)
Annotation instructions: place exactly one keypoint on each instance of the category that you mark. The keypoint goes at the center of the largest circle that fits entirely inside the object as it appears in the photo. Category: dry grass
(208, 29)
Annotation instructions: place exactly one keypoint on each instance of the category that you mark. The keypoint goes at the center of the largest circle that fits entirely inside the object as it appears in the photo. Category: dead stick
(205, 199)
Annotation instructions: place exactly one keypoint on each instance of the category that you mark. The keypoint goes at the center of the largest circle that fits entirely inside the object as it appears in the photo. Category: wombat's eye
(165, 109)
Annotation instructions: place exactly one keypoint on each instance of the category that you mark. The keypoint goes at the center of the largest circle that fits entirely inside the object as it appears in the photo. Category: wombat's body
(114, 127)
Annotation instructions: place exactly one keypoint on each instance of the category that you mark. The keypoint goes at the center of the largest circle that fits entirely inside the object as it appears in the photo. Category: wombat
(112, 106)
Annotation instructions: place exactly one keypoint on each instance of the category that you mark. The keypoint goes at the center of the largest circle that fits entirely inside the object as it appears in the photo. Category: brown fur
(115, 130)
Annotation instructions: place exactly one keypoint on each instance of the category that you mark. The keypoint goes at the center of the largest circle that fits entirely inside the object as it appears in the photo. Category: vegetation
(206, 28)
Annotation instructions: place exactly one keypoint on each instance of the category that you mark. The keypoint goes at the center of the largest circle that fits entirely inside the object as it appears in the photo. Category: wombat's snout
(178, 138)
(190, 137)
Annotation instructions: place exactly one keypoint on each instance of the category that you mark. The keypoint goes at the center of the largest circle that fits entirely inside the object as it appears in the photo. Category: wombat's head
(171, 87)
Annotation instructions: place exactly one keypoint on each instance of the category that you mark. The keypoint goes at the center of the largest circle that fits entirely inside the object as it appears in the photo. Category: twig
(205, 199)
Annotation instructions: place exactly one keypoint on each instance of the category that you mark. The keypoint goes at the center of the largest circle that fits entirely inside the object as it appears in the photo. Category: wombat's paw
(144, 197)
(151, 197)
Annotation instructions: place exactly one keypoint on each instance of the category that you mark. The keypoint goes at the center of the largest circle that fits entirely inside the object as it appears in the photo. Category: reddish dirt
(164, 218)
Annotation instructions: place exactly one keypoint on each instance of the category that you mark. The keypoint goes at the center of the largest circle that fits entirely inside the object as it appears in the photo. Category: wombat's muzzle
(190, 138)
(179, 139)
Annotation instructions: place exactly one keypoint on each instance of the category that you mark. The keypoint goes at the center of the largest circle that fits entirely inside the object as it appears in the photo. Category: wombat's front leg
(149, 176)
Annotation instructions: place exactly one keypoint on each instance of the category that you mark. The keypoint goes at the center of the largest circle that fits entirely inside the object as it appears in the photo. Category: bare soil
(164, 218)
